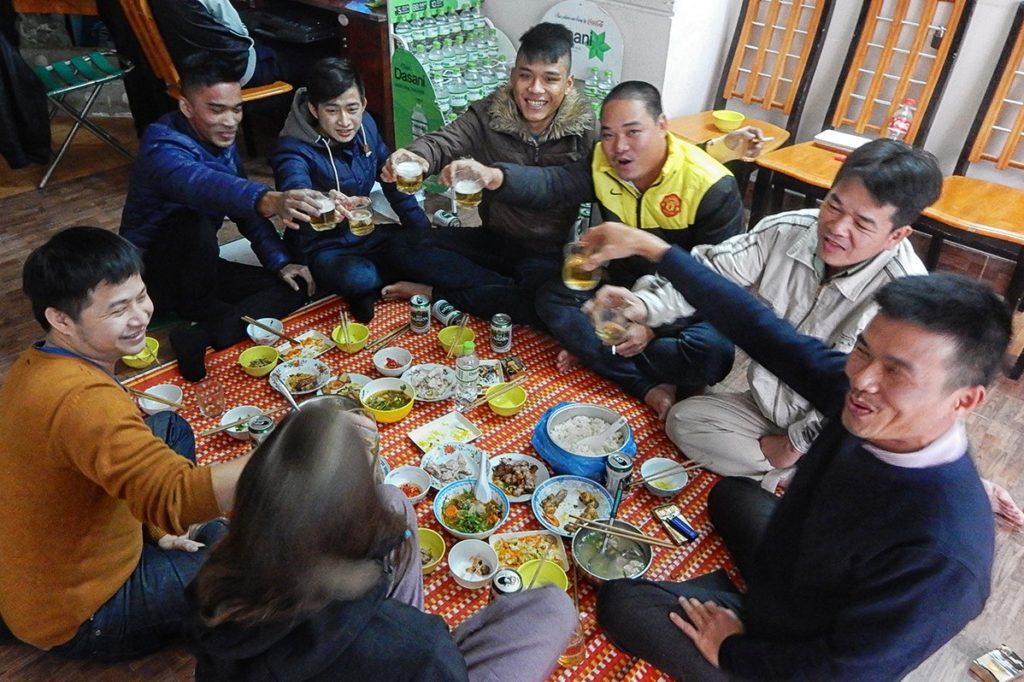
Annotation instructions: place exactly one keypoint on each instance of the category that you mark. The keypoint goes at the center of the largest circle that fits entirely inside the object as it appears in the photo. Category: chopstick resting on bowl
(665, 473)
(388, 337)
(281, 335)
(623, 533)
(239, 422)
(155, 398)
(509, 385)
(456, 342)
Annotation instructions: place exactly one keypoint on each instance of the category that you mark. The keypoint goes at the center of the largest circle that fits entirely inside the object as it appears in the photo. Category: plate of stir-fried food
(518, 475)
(557, 500)
(451, 461)
(301, 375)
(515, 549)
(311, 344)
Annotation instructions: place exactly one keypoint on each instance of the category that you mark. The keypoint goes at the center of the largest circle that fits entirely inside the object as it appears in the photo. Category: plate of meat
(518, 475)
(557, 500)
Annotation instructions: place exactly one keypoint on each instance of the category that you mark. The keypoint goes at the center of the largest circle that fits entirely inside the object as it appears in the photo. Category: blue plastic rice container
(565, 462)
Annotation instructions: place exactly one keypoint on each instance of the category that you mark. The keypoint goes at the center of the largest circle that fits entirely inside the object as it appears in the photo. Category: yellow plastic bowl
(356, 339)
(508, 403)
(550, 574)
(727, 120)
(388, 384)
(432, 541)
(145, 357)
(446, 337)
(255, 353)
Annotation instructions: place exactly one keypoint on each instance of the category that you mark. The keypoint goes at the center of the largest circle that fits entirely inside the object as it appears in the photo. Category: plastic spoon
(614, 512)
(482, 490)
(283, 390)
(595, 442)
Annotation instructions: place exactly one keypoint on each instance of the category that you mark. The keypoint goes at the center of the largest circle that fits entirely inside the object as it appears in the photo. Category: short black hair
(203, 69)
(641, 91)
(330, 77)
(969, 313)
(547, 42)
(895, 173)
(63, 272)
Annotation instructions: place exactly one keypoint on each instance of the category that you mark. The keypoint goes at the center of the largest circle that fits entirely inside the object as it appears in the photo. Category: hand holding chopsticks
(664, 473)
(618, 532)
(281, 335)
(155, 398)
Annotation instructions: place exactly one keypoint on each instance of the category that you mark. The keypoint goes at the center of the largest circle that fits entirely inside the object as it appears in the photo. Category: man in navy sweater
(881, 549)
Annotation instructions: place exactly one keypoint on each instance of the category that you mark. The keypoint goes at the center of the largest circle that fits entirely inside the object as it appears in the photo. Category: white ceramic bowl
(410, 474)
(668, 486)
(240, 432)
(167, 391)
(399, 355)
(441, 499)
(567, 412)
(263, 337)
(459, 561)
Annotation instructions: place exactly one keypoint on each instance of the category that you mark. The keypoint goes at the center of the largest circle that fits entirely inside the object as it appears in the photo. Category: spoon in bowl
(594, 443)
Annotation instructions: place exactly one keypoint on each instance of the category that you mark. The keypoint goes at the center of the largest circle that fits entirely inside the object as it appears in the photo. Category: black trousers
(634, 613)
(186, 275)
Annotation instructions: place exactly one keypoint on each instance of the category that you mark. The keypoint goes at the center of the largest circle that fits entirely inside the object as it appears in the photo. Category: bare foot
(1002, 503)
(405, 290)
(566, 361)
(660, 399)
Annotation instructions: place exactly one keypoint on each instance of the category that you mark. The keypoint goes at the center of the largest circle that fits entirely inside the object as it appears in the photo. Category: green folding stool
(60, 78)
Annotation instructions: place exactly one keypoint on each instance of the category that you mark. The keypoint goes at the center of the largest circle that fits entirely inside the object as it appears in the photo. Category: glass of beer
(327, 218)
(576, 649)
(574, 276)
(410, 176)
(610, 324)
(360, 216)
(468, 187)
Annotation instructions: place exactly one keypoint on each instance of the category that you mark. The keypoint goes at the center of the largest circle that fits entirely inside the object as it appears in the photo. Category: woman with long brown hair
(319, 577)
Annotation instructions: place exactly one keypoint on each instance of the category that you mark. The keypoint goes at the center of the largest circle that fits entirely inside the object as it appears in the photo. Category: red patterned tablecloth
(500, 434)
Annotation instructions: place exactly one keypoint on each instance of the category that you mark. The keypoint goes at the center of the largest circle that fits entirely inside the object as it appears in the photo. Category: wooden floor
(96, 197)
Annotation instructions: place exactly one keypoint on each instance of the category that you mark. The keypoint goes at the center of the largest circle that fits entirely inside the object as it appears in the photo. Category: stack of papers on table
(840, 142)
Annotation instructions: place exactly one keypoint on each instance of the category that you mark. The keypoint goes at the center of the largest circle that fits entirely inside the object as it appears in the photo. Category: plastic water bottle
(458, 95)
(899, 124)
(590, 86)
(467, 370)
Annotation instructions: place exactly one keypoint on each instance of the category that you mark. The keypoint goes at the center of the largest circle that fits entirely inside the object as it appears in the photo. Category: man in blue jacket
(881, 549)
(330, 144)
(187, 178)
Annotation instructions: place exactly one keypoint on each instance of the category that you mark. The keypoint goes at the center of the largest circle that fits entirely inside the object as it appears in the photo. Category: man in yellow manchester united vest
(645, 177)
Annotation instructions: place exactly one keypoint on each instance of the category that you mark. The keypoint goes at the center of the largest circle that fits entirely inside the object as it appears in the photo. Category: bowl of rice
(570, 424)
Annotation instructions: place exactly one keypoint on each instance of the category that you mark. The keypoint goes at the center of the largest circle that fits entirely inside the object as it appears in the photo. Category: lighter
(676, 525)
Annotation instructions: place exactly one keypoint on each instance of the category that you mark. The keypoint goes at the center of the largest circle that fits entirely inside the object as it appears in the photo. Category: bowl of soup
(388, 400)
(619, 558)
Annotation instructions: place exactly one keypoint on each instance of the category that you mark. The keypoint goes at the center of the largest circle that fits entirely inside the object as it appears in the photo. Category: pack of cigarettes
(511, 366)
(998, 665)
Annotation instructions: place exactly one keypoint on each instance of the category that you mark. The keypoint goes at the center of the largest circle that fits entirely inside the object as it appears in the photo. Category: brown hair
(309, 527)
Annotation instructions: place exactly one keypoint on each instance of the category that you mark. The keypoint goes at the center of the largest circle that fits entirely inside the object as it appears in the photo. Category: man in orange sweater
(93, 557)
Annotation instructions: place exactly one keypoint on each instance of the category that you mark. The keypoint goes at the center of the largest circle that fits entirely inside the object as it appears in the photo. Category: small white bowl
(668, 486)
(262, 337)
(399, 355)
(167, 391)
(240, 432)
(460, 556)
(410, 474)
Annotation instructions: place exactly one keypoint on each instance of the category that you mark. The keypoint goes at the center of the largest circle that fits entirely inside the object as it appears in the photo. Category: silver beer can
(506, 581)
(419, 314)
(618, 469)
(445, 312)
(260, 427)
(501, 333)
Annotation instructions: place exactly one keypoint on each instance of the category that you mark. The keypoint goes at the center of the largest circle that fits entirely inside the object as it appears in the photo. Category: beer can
(419, 314)
(260, 427)
(501, 333)
(506, 581)
(445, 312)
(443, 218)
(618, 469)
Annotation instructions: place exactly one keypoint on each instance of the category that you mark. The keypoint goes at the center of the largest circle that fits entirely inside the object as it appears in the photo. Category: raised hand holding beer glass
(610, 324)
(467, 184)
(575, 275)
(389, 173)
(360, 215)
(327, 218)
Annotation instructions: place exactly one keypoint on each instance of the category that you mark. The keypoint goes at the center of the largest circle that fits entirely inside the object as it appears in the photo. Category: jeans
(186, 275)
(695, 355)
(634, 613)
(149, 608)
(356, 273)
(477, 271)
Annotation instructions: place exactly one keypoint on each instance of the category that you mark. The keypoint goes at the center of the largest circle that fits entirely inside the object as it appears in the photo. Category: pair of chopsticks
(664, 473)
(622, 532)
(457, 341)
(155, 398)
(344, 326)
(238, 422)
(388, 337)
(484, 399)
(281, 335)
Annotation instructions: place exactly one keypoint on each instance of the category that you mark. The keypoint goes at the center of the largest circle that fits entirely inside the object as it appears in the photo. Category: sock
(362, 307)
(190, 346)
